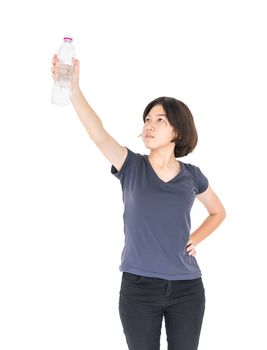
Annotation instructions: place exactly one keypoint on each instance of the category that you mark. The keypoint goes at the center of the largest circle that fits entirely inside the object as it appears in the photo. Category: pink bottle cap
(68, 38)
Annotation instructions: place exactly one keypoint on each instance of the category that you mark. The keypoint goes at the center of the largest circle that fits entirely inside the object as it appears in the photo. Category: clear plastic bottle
(62, 89)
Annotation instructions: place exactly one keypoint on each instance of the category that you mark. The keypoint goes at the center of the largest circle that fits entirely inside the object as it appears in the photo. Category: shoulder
(131, 161)
(190, 168)
(133, 154)
(133, 157)
(200, 180)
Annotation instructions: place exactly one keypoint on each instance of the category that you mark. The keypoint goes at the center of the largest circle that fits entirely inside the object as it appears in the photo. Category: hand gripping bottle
(62, 86)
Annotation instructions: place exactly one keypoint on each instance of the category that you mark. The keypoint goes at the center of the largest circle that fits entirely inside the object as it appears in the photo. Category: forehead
(158, 109)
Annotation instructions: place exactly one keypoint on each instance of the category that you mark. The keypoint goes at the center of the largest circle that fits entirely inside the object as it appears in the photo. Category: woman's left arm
(216, 215)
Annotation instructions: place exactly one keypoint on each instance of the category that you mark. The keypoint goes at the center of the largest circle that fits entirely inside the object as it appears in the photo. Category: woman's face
(157, 131)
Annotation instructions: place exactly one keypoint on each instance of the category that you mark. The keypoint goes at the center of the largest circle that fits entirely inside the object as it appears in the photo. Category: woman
(161, 277)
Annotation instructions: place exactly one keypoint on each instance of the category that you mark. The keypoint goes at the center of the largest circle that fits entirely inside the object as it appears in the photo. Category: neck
(162, 158)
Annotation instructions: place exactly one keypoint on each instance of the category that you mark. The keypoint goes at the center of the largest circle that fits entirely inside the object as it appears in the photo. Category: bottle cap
(68, 38)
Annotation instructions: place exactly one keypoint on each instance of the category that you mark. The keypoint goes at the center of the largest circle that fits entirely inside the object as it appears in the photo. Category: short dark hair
(181, 118)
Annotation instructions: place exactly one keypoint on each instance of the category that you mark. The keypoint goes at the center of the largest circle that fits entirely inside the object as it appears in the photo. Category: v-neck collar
(156, 175)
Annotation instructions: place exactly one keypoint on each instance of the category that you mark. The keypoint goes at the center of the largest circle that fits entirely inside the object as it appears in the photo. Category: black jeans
(143, 303)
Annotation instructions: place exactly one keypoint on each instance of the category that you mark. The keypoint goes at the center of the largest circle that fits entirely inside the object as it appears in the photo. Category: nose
(149, 126)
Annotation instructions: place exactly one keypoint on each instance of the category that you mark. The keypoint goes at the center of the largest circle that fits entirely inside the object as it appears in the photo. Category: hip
(157, 290)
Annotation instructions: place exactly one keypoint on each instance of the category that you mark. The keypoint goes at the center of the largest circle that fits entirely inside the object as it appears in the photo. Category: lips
(149, 136)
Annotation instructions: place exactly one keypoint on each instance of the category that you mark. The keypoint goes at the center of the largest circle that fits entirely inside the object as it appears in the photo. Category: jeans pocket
(131, 277)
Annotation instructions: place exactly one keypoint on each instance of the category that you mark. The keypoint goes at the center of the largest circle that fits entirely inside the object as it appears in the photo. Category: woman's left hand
(190, 248)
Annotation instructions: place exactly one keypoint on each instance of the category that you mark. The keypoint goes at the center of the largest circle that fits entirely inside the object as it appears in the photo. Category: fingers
(76, 65)
(191, 251)
(54, 71)
(54, 68)
(55, 59)
(190, 248)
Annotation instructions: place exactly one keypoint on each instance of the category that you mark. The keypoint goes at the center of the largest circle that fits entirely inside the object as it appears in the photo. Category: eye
(146, 119)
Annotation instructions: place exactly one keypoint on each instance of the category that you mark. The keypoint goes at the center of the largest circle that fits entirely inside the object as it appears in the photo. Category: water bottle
(62, 86)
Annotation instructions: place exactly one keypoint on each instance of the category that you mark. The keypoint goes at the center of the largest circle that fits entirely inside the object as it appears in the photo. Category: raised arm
(111, 149)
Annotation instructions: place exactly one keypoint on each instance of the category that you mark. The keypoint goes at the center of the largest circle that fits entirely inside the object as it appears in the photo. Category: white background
(61, 232)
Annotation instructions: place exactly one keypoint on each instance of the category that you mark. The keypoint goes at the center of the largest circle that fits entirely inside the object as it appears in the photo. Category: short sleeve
(201, 181)
(126, 166)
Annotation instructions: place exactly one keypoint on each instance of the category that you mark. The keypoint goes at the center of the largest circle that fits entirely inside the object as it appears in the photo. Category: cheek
(168, 133)
(143, 129)
(169, 136)
(142, 133)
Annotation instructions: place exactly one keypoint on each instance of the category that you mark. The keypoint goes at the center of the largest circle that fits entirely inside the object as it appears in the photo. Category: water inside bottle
(64, 74)
(60, 94)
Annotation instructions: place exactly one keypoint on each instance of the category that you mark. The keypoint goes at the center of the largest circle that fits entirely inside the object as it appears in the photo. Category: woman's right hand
(75, 74)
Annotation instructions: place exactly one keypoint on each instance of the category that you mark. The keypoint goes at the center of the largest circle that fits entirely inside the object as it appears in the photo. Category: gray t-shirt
(157, 219)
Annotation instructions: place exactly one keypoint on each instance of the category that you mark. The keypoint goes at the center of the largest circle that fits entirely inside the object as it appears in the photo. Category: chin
(148, 147)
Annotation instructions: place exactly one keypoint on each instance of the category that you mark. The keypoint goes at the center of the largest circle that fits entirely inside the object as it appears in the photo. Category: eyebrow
(158, 115)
